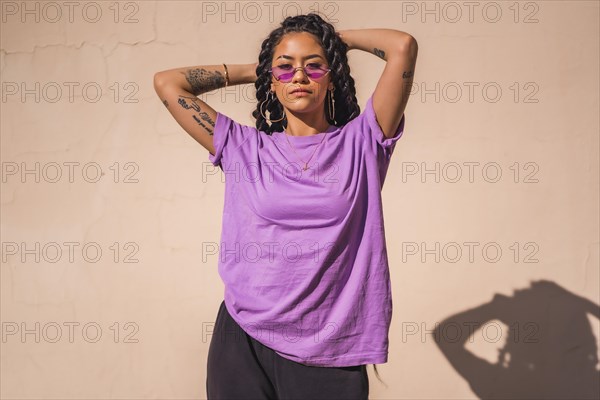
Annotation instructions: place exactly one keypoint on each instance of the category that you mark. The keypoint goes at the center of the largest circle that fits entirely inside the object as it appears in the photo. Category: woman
(303, 256)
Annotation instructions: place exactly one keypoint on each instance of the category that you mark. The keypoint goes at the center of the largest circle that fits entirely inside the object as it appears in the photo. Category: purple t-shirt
(303, 254)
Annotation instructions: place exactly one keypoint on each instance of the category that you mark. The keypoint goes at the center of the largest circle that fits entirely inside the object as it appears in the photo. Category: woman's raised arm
(178, 89)
(399, 50)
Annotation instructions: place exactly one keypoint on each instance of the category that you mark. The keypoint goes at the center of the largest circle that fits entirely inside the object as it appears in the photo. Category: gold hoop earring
(269, 96)
(331, 105)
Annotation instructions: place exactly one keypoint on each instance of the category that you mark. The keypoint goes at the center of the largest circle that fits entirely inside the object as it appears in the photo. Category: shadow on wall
(550, 351)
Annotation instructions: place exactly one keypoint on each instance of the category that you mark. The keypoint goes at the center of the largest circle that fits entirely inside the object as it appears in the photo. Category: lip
(300, 91)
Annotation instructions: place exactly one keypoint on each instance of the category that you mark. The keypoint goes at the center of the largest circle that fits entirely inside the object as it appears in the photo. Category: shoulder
(224, 122)
(228, 126)
(230, 136)
(368, 126)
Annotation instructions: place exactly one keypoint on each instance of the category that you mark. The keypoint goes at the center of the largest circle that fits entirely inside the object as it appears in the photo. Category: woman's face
(300, 49)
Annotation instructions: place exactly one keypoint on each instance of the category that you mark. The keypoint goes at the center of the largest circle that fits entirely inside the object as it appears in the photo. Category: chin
(303, 103)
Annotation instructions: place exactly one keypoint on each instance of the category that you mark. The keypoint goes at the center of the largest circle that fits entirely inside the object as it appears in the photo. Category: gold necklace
(305, 163)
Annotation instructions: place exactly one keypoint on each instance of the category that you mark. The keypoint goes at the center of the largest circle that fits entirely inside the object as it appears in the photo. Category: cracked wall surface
(111, 212)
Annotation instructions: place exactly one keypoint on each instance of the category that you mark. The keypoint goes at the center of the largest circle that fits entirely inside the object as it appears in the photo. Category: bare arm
(178, 89)
(399, 50)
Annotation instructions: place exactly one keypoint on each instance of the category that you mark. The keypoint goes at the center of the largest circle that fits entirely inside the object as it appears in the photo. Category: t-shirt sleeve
(229, 137)
(383, 145)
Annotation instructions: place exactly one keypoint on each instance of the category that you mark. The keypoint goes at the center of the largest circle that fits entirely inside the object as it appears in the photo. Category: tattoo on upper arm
(379, 53)
(166, 103)
(202, 81)
(203, 119)
(407, 74)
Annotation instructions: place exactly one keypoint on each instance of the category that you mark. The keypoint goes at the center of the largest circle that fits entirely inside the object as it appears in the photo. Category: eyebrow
(305, 58)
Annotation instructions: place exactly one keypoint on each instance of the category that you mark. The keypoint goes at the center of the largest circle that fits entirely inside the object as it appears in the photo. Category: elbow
(158, 81)
(408, 45)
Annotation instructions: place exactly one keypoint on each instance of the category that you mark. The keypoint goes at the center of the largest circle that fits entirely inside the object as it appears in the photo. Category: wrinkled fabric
(303, 253)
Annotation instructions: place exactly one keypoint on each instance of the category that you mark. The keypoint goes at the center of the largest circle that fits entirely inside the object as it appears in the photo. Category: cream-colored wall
(155, 210)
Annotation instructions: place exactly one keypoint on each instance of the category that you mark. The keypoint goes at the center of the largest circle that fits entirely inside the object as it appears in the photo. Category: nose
(301, 77)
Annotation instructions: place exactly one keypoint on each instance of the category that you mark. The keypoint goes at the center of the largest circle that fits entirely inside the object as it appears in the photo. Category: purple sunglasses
(285, 73)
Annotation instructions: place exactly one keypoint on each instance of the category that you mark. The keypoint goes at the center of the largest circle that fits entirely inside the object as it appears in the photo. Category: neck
(306, 126)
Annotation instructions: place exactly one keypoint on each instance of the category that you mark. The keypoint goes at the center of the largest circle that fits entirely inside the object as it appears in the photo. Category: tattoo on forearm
(407, 74)
(166, 103)
(379, 53)
(202, 81)
(192, 104)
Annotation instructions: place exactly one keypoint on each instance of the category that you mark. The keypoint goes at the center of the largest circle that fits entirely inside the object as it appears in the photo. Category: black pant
(240, 367)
